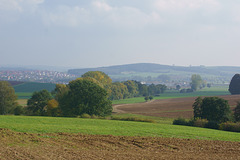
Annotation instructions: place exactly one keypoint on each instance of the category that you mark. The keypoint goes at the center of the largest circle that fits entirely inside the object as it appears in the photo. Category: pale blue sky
(94, 33)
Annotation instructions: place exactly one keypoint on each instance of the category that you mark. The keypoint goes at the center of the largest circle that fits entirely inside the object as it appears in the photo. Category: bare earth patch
(171, 108)
(15, 145)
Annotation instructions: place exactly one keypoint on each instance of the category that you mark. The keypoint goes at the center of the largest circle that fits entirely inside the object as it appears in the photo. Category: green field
(111, 127)
(213, 91)
(25, 90)
(24, 95)
(33, 86)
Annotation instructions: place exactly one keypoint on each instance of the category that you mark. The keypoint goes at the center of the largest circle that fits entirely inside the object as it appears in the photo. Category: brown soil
(171, 108)
(14, 145)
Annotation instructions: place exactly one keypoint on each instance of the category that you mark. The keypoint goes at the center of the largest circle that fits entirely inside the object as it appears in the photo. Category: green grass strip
(111, 127)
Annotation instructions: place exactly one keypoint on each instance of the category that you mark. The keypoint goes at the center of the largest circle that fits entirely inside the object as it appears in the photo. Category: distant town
(36, 76)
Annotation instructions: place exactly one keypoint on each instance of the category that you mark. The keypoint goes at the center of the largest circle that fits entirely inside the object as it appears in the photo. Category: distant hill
(143, 70)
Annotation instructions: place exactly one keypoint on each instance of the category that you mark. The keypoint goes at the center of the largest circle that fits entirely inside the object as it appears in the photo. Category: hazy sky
(94, 33)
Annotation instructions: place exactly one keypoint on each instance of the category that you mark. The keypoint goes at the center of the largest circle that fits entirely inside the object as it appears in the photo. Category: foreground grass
(111, 127)
(213, 91)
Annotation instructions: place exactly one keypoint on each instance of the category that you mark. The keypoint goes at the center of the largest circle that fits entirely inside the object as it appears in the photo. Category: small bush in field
(180, 121)
(200, 122)
(230, 126)
(212, 125)
(18, 110)
(85, 116)
(94, 116)
(133, 119)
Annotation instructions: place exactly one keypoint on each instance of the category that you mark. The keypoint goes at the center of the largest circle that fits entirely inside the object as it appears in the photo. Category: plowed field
(14, 145)
(171, 108)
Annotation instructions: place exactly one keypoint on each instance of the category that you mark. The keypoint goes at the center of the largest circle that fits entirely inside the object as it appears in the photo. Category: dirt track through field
(171, 108)
(14, 145)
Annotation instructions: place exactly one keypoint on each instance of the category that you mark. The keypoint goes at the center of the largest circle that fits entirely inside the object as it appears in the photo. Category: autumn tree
(119, 91)
(52, 108)
(7, 98)
(101, 77)
(59, 91)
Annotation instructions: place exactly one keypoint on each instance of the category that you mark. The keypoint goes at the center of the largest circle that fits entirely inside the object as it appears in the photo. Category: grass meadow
(31, 124)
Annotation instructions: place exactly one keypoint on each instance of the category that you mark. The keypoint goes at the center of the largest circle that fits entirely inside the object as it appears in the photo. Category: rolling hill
(139, 71)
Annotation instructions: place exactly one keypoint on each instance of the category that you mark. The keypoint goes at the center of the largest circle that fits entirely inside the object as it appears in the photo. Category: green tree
(196, 82)
(212, 108)
(160, 88)
(151, 89)
(234, 86)
(132, 88)
(150, 98)
(197, 108)
(85, 96)
(37, 103)
(237, 112)
(146, 98)
(7, 98)
(178, 87)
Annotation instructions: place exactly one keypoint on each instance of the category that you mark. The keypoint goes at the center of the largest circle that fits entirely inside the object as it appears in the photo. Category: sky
(96, 33)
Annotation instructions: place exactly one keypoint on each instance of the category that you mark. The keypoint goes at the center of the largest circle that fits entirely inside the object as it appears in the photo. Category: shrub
(94, 116)
(18, 110)
(133, 119)
(150, 98)
(180, 121)
(183, 91)
(146, 98)
(189, 90)
(230, 126)
(85, 115)
(212, 125)
(200, 122)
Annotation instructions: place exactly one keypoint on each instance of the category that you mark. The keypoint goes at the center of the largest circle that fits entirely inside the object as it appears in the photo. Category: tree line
(90, 94)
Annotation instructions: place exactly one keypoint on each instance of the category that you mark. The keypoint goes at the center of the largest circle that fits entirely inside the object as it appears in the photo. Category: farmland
(29, 137)
(17, 145)
(170, 108)
(76, 138)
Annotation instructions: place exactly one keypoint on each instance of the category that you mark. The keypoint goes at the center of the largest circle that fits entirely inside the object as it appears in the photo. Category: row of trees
(126, 89)
(90, 94)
